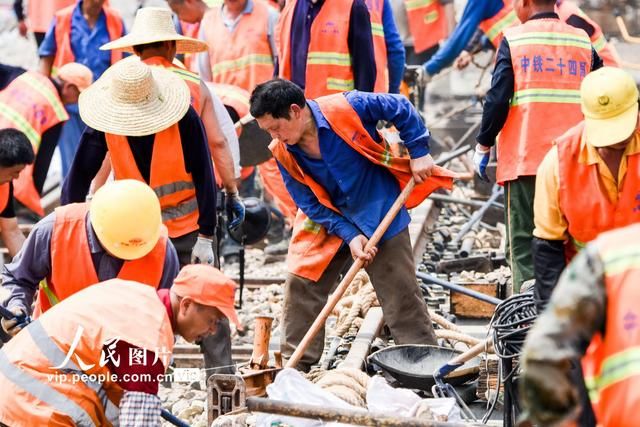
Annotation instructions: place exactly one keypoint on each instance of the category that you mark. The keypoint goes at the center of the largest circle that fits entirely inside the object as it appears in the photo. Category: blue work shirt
(85, 41)
(473, 14)
(359, 39)
(395, 48)
(362, 191)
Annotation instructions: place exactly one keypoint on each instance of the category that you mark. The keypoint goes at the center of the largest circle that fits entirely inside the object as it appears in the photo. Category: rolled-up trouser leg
(393, 276)
(303, 301)
(217, 351)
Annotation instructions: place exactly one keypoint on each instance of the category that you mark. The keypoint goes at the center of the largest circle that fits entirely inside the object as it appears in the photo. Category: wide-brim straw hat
(154, 24)
(134, 99)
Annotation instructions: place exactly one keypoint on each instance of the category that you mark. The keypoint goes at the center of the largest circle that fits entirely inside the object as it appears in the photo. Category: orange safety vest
(41, 12)
(603, 214)
(549, 59)
(565, 9)
(190, 30)
(312, 248)
(427, 23)
(35, 392)
(64, 53)
(72, 266)
(168, 178)
(494, 27)
(4, 195)
(611, 365)
(328, 59)
(243, 57)
(32, 105)
(191, 79)
(379, 46)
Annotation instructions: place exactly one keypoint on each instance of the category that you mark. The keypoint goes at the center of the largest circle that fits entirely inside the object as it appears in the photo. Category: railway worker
(97, 358)
(536, 81)
(76, 34)
(154, 40)
(15, 153)
(118, 235)
(599, 160)
(35, 105)
(307, 53)
(344, 183)
(592, 315)
(142, 117)
(486, 20)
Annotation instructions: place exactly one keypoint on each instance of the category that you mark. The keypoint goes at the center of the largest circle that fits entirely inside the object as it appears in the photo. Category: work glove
(235, 211)
(11, 326)
(422, 77)
(202, 252)
(481, 160)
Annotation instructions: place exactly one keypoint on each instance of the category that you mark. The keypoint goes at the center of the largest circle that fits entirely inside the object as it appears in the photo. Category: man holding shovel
(344, 180)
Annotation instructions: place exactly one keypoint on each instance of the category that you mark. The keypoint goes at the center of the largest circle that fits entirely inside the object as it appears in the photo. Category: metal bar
(450, 199)
(457, 288)
(477, 215)
(347, 416)
(452, 155)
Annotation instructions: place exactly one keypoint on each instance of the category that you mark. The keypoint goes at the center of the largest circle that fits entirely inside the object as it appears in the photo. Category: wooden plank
(467, 307)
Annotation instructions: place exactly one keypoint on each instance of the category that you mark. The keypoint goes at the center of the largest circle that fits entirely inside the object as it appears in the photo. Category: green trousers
(519, 195)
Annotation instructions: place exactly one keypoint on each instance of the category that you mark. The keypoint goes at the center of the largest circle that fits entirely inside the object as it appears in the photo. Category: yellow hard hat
(126, 217)
(610, 106)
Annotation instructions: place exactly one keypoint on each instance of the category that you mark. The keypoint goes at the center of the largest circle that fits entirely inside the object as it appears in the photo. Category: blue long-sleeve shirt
(362, 191)
(359, 39)
(395, 48)
(474, 12)
(85, 41)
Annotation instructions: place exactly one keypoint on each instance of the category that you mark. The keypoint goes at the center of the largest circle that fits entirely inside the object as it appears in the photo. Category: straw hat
(154, 24)
(134, 99)
(76, 74)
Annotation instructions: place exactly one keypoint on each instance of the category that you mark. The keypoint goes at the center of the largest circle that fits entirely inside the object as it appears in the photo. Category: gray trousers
(392, 274)
(215, 348)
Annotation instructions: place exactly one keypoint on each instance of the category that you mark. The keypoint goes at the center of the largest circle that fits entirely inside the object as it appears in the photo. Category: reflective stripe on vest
(549, 60)
(20, 123)
(611, 364)
(56, 357)
(241, 57)
(494, 27)
(565, 9)
(31, 104)
(43, 392)
(168, 172)
(565, 96)
(574, 175)
(427, 23)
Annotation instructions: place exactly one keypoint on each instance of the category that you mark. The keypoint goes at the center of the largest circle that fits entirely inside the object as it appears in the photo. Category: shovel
(442, 389)
(319, 323)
